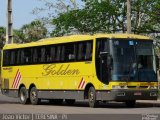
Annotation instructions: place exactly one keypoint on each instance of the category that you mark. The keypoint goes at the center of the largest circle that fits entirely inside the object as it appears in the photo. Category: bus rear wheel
(92, 97)
(23, 96)
(34, 96)
(130, 103)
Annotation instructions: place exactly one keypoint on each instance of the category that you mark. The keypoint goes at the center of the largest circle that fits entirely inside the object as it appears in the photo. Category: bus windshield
(133, 60)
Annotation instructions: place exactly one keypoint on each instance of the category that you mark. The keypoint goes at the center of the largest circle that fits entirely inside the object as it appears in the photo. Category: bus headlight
(116, 87)
(153, 87)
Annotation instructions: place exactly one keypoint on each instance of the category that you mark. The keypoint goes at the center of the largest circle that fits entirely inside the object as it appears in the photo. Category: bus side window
(80, 51)
(12, 62)
(48, 54)
(42, 56)
(39, 52)
(18, 57)
(62, 59)
(6, 57)
(53, 53)
(27, 56)
(58, 53)
(88, 51)
(69, 52)
(85, 51)
(35, 55)
(22, 56)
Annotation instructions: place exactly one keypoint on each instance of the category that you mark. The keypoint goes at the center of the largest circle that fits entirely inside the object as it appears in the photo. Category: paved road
(12, 106)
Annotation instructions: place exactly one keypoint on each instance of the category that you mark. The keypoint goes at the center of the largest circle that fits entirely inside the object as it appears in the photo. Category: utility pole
(129, 16)
(9, 28)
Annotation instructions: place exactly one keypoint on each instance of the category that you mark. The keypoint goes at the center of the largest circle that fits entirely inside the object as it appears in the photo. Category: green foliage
(2, 36)
(109, 16)
(30, 32)
(52, 8)
(96, 16)
(27, 33)
(145, 18)
(18, 36)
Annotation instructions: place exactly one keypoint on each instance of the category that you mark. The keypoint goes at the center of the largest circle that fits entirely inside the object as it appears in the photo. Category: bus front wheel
(92, 97)
(34, 96)
(23, 96)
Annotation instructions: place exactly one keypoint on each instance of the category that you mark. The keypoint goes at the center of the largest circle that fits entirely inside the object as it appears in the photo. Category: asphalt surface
(80, 110)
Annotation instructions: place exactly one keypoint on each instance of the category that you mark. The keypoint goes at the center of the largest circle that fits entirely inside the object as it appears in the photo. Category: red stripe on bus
(80, 83)
(15, 79)
(83, 84)
(19, 79)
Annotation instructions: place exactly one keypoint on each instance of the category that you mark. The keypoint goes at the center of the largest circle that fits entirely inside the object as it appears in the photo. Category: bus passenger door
(105, 67)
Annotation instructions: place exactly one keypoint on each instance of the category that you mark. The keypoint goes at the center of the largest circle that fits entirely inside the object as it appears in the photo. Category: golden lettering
(53, 69)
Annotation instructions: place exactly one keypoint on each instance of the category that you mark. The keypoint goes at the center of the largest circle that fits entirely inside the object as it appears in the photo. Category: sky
(21, 12)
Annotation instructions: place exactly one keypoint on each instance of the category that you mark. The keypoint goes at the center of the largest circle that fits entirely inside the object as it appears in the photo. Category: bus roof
(73, 38)
(133, 36)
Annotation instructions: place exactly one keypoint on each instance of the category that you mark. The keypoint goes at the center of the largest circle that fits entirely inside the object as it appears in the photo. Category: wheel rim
(33, 95)
(22, 95)
(91, 97)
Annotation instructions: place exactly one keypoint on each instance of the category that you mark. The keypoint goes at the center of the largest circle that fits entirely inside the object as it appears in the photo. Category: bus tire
(34, 96)
(92, 97)
(70, 101)
(23, 96)
(130, 103)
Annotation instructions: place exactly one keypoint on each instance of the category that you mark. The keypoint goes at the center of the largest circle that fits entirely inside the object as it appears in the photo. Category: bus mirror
(157, 62)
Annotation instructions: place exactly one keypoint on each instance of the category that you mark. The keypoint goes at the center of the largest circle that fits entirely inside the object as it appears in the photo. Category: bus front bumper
(123, 95)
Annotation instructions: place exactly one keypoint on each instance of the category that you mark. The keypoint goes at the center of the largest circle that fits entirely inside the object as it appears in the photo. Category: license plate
(137, 93)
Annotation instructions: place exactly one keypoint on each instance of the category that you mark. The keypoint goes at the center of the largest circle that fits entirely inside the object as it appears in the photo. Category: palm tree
(34, 31)
(18, 36)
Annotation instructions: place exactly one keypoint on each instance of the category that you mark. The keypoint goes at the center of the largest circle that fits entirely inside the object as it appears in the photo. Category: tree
(107, 16)
(18, 36)
(27, 33)
(2, 36)
(32, 32)
(97, 16)
(146, 16)
(53, 8)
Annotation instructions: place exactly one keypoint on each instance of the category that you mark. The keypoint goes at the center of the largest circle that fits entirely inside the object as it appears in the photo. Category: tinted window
(35, 55)
(27, 56)
(69, 54)
(66, 52)
(85, 51)
(6, 57)
(48, 54)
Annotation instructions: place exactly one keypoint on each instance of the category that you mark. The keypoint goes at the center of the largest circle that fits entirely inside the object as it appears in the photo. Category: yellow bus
(100, 67)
